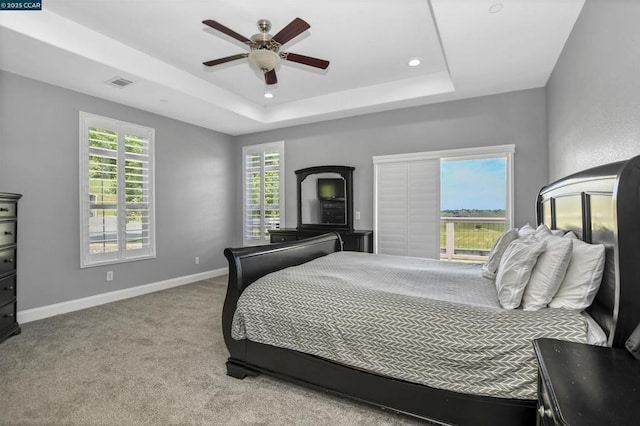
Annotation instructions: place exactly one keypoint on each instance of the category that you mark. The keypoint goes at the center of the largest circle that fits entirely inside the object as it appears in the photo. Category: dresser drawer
(7, 289)
(7, 316)
(281, 238)
(7, 233)
(7, 260)
(7, 209)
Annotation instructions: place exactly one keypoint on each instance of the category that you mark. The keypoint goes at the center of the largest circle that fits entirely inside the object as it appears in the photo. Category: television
(330, 189)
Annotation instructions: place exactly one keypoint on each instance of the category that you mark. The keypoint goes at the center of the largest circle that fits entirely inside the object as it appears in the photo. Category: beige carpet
(156, 359)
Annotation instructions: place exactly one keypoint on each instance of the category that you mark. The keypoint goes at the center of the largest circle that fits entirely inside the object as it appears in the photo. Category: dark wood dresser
(582, 385)
(8, 258)
(352, 240)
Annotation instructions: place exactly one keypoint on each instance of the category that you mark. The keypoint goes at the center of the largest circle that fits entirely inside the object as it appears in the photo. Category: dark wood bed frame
(601, 205)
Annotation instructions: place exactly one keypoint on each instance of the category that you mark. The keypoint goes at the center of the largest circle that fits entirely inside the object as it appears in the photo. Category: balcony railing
(469, 238)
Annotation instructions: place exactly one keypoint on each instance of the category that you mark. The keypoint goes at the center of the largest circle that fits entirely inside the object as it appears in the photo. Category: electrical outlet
(109, 275)
(197, 260)
(357, 215)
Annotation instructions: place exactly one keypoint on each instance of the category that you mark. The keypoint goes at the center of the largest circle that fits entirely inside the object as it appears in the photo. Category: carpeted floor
(156, 359)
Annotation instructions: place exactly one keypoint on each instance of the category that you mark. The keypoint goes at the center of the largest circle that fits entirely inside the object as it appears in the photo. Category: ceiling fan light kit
(264, 60)
(265, 49)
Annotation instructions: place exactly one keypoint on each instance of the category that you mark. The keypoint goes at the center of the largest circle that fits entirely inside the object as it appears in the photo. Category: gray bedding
(424, 321)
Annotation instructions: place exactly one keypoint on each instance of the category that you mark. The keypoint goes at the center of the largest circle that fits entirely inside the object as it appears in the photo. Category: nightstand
(581, 384)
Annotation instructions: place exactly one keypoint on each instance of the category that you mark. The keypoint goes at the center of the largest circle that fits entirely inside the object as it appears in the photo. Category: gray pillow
(490, 268)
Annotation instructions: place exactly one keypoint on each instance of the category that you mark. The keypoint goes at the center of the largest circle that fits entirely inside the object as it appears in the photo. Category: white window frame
(122, 254)
(262, 149)
(506, 151)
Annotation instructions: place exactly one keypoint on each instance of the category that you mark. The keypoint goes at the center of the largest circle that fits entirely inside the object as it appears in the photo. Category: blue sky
(473, 184)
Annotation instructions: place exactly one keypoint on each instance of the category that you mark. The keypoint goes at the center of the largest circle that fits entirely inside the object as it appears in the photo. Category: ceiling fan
(265, 49)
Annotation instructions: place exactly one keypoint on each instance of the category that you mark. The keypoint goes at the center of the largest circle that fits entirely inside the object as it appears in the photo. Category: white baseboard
(34, 314)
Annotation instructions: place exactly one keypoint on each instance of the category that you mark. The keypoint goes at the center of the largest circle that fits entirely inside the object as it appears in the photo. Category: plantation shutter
(263, 184)
(424, 209)
(103, 191)
(392, 200)
(407, 207)
(116, 199)
(137, 193)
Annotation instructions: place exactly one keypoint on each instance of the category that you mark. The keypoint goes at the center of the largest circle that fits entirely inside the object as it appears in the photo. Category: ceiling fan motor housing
(264, 51)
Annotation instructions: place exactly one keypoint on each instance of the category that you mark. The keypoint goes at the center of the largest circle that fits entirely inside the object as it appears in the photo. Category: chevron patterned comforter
(424, 321)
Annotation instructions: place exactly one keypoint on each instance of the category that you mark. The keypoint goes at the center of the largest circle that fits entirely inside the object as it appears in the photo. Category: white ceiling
(160, 45)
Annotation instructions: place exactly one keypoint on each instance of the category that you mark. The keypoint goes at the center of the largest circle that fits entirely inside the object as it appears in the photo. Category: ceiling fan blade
(270, 77)
(306, 60)
(295, 28)
(218, 26)
(226, 59)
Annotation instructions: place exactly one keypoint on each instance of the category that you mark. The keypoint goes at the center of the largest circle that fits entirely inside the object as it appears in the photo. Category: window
(474, 205)
(116, 191)
(263, 189)
(412, 190)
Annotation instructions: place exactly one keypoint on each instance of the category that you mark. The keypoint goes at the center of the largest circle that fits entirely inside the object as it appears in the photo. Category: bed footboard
(247, 264)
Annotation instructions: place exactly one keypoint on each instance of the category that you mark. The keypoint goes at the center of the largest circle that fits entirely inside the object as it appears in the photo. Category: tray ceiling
(465, 50)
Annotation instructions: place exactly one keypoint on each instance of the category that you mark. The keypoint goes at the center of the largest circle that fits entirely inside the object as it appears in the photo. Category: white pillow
(583, 277)
(542, 231)
(515, 269)
(525, 231)
(490, 268)
(548, 273)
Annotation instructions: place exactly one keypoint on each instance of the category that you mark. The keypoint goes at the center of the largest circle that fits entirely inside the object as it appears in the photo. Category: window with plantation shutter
(408, 189)
(116, 191)
(263, 189)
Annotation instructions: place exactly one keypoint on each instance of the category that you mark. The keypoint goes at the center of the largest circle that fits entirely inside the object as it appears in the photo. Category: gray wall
(39, 157)
(593, 95)
(514, 118)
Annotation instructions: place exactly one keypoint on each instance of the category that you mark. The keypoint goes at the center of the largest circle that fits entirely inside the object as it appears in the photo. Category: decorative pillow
(571, 235)
(515, 269)
(493, 260)
(542, 231)
(557, 232)
(548, 273)
(583, 277)
(526, 231)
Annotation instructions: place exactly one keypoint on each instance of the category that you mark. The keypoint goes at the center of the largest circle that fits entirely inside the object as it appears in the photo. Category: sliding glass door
(443, 204)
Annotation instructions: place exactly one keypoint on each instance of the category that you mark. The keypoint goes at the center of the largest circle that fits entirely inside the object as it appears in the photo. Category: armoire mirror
(325, 198)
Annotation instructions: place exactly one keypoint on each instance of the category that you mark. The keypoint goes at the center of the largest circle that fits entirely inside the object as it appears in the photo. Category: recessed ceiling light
(268, 95)
(496, 7)
(414, 62)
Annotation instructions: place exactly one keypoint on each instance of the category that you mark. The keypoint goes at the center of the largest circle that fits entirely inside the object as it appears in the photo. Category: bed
(599, 206)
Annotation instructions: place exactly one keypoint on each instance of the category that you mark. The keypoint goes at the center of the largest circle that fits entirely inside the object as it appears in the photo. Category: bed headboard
(602, 205)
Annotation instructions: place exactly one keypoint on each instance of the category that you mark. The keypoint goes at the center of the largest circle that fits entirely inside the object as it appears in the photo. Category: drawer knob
(9, 288)
(8, 233)
(8, 261)
(544, 412)
(8, 316)
(4, 209)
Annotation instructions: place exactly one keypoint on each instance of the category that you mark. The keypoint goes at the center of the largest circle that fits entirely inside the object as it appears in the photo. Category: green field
(474, 236)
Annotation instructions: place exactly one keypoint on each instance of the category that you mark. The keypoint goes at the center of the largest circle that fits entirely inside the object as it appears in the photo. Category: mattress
(425, 321)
